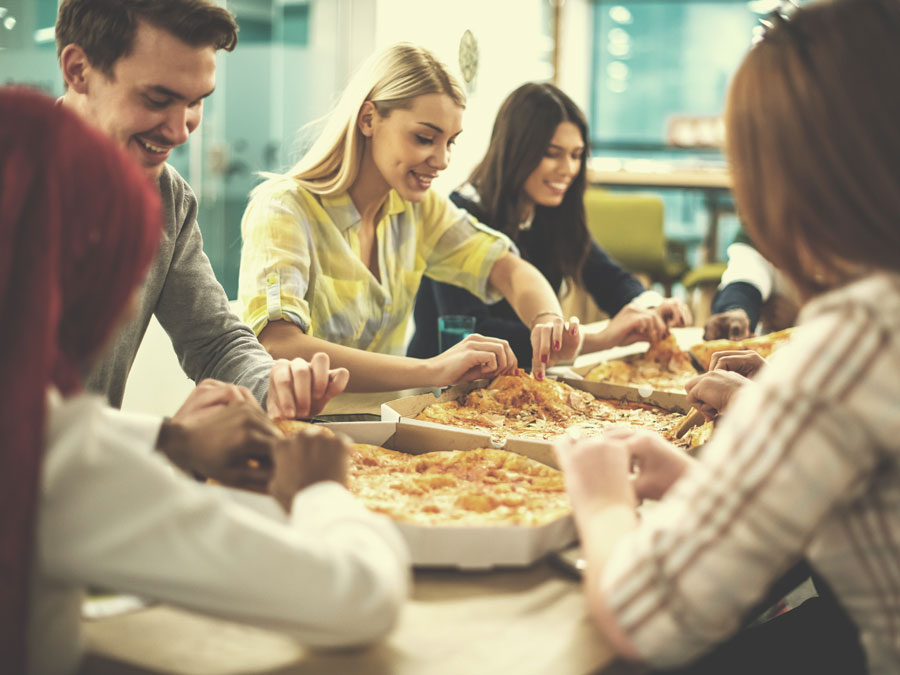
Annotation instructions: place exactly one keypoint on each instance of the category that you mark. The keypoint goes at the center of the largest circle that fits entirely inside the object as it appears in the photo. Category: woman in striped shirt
(804, 462)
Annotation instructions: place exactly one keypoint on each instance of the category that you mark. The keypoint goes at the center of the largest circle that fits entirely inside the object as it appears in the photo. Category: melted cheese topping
(764, 345)
(664, 366)
(519, 405)
(457, 487)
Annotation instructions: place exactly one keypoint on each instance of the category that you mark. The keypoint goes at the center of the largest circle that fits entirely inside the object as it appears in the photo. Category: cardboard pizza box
(462, 547)
(408, 407)
(403, 410)
(685, 337)
(668, 399)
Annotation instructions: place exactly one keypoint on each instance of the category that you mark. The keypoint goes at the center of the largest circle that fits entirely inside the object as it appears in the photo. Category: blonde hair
(390, 79)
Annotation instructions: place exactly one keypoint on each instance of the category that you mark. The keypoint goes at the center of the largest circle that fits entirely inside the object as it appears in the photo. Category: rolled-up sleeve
(275, 259)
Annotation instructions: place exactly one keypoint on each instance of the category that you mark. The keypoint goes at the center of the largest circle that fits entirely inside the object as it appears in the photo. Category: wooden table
(713, 181)
(514, 621)
(523, 621)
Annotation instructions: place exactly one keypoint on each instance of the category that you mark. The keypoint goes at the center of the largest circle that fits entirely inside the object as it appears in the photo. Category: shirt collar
(343, 212)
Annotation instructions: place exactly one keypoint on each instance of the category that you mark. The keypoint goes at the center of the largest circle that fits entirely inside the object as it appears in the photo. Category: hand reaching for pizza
(596, 472)
(230, 442)
(298, 388)
(657, 464)
(745, 362)
(674, 312)
(711, 392)
(553, 341)
(311, 456)
(473, 357)
(732, 325)
(633, 324)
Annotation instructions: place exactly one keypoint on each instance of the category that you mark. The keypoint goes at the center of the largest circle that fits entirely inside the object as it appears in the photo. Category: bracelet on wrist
(540, 314)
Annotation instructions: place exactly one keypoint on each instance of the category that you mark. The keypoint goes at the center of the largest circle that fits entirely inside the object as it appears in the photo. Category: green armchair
(629, 227)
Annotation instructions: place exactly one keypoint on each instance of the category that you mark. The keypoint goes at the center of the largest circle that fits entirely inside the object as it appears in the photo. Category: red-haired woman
(805, 461)
(86, 499)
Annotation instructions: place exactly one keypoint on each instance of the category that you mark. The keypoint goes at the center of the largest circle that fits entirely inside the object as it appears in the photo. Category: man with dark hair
(139, 70)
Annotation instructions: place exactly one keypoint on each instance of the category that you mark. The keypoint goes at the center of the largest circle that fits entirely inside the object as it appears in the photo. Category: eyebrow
(165, 91)
(559, 147)
(437, 128)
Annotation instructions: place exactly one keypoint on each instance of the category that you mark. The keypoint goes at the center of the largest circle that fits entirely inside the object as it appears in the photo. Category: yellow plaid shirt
(301, 262)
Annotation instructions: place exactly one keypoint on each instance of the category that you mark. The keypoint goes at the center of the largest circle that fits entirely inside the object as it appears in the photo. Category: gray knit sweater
(192, 307)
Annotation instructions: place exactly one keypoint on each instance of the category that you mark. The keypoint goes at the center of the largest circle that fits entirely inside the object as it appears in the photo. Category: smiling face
(410, 147)
(154, 99)
(547, 184)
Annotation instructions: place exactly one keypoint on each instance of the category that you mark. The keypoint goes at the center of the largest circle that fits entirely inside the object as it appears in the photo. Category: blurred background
(651, 75)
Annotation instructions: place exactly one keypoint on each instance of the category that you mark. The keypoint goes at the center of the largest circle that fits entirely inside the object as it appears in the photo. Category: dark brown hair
(522, 132)
(814, 142)
(105, 29)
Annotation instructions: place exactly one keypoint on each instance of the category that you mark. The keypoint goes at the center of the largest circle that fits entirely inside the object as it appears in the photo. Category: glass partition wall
(293, 55)
(637, 67)
(660, 71)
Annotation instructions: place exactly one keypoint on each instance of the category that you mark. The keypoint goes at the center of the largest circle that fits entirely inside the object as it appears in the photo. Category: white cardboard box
(449, 546)
(408, 407)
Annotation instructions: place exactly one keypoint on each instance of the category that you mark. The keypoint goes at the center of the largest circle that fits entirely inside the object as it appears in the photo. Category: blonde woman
(335, 250)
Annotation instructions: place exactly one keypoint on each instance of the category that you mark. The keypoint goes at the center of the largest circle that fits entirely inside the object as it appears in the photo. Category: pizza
(696, 436)
(481, 487)
(764, 345)
(520, 405)
(664, 367)
(455, 487)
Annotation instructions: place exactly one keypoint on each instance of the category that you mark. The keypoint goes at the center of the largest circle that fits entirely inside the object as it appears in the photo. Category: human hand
(596, 473)
(208, 397)
(656, 462)
(311, 456)
(711, 392)
(746, 362)
(547, 337)
(301, 389)
(733, 325)
(472, 357)
(230, 443)
(633, 324)
(572, 341)
(674, 312)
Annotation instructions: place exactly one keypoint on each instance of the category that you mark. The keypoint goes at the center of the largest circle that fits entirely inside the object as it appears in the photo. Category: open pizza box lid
(448, 546)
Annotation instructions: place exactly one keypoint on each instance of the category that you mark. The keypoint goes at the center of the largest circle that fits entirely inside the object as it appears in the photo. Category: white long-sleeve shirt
(114, 513)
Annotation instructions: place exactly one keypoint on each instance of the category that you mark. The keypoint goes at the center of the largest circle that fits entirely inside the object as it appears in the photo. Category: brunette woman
(530, 186)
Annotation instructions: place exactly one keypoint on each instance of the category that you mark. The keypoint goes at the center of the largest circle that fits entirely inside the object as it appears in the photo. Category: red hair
(79, 224)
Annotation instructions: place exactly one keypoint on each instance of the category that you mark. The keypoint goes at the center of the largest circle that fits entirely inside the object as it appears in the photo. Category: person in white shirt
(86, 498)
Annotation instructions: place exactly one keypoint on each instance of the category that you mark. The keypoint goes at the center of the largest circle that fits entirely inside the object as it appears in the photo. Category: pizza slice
(764, 345)
(664, 367)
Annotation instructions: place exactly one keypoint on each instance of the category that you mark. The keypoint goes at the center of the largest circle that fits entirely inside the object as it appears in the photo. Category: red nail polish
(544, 358)
(572, 332)
(540, 376)
(556, 345)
